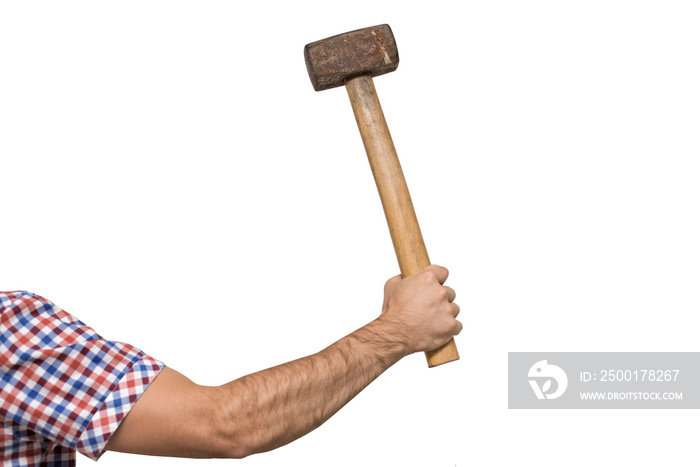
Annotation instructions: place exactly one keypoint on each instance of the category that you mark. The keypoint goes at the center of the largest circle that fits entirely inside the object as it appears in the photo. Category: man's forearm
(273, 407)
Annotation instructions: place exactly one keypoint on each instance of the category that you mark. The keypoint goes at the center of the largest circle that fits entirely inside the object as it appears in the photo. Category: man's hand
(270, 408)
(419, 310)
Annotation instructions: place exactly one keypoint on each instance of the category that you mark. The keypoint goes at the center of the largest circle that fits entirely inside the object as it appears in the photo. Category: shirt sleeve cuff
(118, 403)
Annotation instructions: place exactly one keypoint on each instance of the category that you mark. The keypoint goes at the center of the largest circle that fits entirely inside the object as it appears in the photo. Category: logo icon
(545, 373)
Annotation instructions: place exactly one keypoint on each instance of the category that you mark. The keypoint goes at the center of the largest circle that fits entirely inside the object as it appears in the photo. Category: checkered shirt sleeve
(63, 387)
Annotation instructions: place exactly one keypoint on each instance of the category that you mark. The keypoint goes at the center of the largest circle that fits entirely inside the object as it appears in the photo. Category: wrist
(381, 338)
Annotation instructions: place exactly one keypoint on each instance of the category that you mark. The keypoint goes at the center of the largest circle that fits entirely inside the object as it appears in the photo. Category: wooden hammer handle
(393, 191)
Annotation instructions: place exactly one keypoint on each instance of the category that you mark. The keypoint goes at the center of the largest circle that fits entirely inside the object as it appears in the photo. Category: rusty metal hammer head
(369, 51)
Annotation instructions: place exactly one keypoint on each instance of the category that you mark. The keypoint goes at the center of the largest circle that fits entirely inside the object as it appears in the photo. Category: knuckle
(427, 276)
(390, 283)
(444, 272)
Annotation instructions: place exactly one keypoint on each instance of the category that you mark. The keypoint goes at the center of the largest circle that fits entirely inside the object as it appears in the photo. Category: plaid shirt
(63, 388)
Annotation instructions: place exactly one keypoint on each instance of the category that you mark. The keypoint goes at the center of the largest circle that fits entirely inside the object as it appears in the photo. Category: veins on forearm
(276, 406)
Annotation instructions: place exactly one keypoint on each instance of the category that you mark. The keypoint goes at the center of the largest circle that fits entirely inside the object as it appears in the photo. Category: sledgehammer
(352, 59)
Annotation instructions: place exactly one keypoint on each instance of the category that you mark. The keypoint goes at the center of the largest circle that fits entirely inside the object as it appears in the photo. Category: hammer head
(369, 51)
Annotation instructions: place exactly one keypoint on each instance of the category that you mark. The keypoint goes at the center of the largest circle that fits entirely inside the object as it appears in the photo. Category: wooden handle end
(445, 354)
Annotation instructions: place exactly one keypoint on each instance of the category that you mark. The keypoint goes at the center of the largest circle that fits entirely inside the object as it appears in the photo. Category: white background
(169, 176)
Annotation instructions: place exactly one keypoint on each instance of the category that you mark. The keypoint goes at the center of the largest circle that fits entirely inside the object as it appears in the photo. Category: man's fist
(419, 311)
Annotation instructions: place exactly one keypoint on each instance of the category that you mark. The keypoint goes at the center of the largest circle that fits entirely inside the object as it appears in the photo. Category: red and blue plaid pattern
(63, 388)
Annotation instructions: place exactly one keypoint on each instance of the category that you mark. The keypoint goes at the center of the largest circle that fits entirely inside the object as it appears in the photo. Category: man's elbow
(232, 444)
(226, 443)
(236, 451)
(232, 436)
